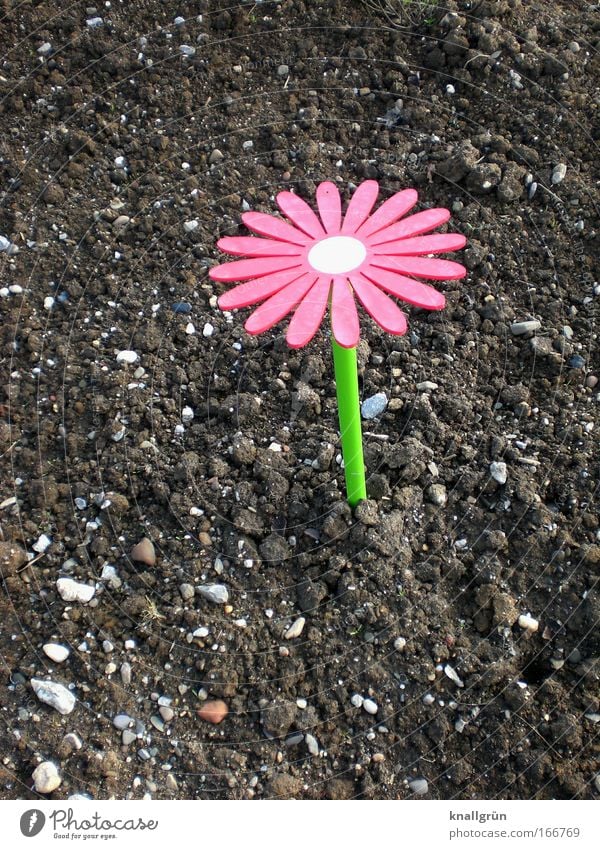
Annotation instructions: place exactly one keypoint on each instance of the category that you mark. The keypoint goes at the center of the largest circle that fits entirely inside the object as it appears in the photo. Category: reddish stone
(214, 712)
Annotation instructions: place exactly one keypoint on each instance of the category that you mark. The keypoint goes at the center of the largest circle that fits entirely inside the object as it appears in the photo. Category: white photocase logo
(32, 822)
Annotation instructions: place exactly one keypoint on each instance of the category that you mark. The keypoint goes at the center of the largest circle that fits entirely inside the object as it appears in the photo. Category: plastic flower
(314, 261)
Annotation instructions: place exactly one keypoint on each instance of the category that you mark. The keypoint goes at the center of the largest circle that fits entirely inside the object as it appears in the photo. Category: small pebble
(576, 361)
(70, 590)
(128, 737)
(46, 777)
(126, 673)
(217, 593)
(214, 711)
(182, 308)
(190, 226)
(374, 406)
(499, 472)
(56, 652)
(158, 722)
(558, 173)
(419, 786)
(208, 330)
(295, 628)
(370, 706)
(187, 591)
(528, 623)
(428, 699)
(43, 543)
(518, 328)
(399, 643)
(143, 552)
(357, 700)
(55, 695)
(311, 744)
(453, 675)
(427, 386)
(127, 357)
(215, 156)
(122, 721)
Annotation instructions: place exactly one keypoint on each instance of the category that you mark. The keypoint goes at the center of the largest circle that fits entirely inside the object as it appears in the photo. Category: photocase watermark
(66, 826)
(32, 822)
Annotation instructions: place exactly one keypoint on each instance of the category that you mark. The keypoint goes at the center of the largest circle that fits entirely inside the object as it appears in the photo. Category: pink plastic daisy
(316, 260)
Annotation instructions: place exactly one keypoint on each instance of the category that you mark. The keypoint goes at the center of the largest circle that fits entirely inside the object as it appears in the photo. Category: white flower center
(337, 254)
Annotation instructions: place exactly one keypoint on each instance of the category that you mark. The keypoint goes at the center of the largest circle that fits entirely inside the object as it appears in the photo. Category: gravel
(71, 590)
(46, 777)
(55, 695)
(374, 406)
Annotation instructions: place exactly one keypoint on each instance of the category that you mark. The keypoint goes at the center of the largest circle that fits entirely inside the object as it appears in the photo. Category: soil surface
(461, 600)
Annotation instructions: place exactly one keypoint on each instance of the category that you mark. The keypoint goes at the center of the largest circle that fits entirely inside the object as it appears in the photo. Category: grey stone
(217, 593)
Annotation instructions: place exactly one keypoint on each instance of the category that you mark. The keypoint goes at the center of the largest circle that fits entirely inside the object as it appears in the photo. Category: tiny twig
(9, 449)
(32, 561)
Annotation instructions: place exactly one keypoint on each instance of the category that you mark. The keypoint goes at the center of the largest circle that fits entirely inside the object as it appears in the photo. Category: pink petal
(361, 204)
(429, 219)
(244, 269)
(381, 308)
(390, 211)
(279, 305)
(309, 314)
(407, 289)
(250, 246)
(436, 244)
(269, 225)
(298, 211)
(344, 317)
(330, 206)
(257, 290)
(431, 269)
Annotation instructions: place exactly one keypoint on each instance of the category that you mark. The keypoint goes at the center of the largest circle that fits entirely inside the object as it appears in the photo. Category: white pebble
(43, 543)
(428, 699)
(127, 357)
(499, 472)
(311, 744)
(71, 590)
(190, 226)
(518, 328)
(187, 414)
(208, 329)
(55, 695)
(48, 302)
(370, 706)
(528, 623)
(190, 329)
(46, 777)
(93, 23)
(558, 173)
(357, 700)
(399, 643)
(453, 675)
(56, 652)
(120, 162)
(295, 628)
(418, 786)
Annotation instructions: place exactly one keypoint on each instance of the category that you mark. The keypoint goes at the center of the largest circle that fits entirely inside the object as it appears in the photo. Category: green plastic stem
(346, 381)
